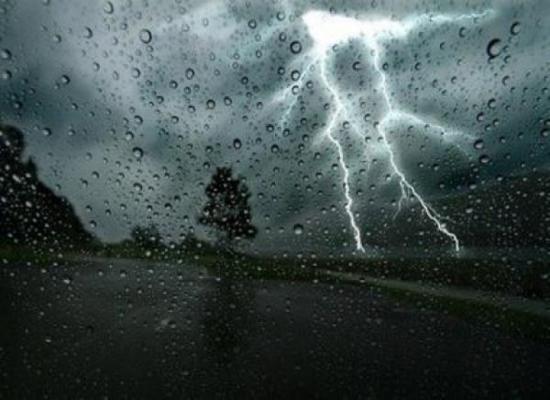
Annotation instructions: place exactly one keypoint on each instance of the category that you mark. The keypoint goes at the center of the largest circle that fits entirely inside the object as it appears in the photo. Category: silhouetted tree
(227, 209)
(30, 212)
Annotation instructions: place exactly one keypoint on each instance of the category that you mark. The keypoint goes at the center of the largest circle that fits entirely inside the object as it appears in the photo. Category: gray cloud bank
(91, 81)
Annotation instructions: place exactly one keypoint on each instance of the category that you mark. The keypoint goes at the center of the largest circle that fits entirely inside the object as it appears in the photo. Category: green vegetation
(514, 321)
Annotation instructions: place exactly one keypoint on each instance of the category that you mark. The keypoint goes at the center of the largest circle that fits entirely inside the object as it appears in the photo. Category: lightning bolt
(327, 30)
(405, 185)
(340, 109)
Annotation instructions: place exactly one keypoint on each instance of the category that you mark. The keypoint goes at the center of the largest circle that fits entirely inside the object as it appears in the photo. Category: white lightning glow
(327, 30)
(329, 133)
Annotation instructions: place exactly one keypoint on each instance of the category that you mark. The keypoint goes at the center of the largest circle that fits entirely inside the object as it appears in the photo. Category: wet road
(131, 330)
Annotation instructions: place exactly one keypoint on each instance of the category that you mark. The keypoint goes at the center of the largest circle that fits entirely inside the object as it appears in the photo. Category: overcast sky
(128, 107)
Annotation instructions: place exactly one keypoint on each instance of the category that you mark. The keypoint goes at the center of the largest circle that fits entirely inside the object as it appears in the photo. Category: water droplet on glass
(5, 54)
(108, 7)
(296, 47)
(484, 159)
(145, 36)
(88, 33)
(515, 28)
(138, 153)
(237, 144)
(298, 229)
(478, 144)
(494, 48)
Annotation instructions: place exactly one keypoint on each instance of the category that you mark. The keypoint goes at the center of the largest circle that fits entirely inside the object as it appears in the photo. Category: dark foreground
(128, 330)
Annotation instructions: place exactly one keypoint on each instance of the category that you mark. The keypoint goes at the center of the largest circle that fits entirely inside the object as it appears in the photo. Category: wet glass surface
(274, 199)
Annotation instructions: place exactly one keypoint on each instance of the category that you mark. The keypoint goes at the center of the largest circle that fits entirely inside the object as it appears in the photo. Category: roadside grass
(513, 321)
(517, 322)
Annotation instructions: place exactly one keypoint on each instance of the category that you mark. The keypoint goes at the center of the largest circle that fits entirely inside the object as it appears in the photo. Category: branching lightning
(327, 30)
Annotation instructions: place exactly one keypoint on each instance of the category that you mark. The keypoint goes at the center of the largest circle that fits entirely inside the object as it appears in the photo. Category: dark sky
(128, 107)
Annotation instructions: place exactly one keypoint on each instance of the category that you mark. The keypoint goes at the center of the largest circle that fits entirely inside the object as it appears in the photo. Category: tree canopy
(227, 209)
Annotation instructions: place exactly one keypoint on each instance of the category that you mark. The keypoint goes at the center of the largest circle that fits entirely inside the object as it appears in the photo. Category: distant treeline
(146, 242)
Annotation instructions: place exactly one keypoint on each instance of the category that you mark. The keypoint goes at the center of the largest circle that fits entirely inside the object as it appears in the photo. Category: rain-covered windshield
(274, 199)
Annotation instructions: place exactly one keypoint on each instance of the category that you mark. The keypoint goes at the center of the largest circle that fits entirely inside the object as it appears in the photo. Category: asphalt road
(131, 330)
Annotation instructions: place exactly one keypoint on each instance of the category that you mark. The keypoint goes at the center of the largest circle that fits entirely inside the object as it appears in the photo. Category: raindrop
(484, 159)
(494, 48)
(88, 33)
(189, 73)
(478, 144)
(138, 153)
(298, 229)
(252, 24)
(5, 54)
(296, 47)
(237, 144)
(145, 36)
(108, 7)
(65, 80)
(515, 28)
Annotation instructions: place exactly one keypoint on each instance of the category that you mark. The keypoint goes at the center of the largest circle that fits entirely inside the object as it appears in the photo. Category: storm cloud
(129, 106)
